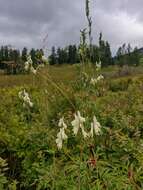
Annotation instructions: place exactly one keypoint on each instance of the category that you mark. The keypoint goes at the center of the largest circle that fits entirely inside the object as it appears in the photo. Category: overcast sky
(27, 22)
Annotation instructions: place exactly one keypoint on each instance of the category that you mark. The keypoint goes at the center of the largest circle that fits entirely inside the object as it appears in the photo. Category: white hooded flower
(34, 71)
(98, 65)
(93, 81)
(84, 133)
(26, 66)
(20, 94)
(23, 95)
(44, 59)
(60, 137)
(62, 123)
(59, 143)
(77, 123)
(30, 104)
(29, 60)
(95, 127)
(100, 77)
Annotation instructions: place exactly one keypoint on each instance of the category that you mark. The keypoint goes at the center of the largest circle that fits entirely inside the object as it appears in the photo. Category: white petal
(85, 135)
(59, 143)
(91, 131)
(96, 126)
(63, 134)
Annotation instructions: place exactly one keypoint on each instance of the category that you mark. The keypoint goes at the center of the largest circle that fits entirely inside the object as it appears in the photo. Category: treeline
(12, 60)
(125, 55)
(70, 54)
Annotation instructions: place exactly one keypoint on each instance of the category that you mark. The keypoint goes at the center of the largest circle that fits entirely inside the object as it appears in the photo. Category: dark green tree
(72, 54)
(24, 54)
(52, 57)
(33, 56)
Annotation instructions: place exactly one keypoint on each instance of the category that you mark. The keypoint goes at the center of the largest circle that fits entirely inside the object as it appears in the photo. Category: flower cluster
(23, 95)
(44, 60)
(61, 136)
(94, 81)
(29, 65)
(98, 65)
(78, 124)
(95, 127)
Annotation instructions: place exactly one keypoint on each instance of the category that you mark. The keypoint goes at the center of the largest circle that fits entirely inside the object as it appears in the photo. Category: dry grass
(57, 73)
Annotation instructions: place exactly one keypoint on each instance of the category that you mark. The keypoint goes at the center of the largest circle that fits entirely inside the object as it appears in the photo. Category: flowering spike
(61, 135)
(23, 95)
(62, 123)
(95, 128)
(77, 123)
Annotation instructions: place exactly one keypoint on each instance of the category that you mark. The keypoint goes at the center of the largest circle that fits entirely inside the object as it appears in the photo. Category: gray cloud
(26, 22)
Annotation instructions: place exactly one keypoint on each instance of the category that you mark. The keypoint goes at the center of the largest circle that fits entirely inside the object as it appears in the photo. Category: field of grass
(29, 156)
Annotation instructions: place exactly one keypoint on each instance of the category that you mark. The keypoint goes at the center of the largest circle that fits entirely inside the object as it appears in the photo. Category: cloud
(25, 23)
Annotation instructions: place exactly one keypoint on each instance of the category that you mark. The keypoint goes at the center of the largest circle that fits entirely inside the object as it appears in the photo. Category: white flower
(27, 100)
(23, 95)
(60, 137)
(95, 127)
(85, 134)
(62, 123)
(34, 71)
(30, 104)
(59, 143)
(29, 60)
(93, 81)
(44, 59)
(100, 77)
(98, 65)
(77, 123)
(20, 94)
(26, 66)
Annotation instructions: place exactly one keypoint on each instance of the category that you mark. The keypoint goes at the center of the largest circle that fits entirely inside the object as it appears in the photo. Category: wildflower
(98, 65)
(26, 66)
(59, 142)
(62, 123)
(95, 127)
(85, 134)
(20, 94)
(100, 77)
(93, 81)
(34, 71)
(23, 95)
(44, 59)
(77, 123)
(61, 135)
(29, 60)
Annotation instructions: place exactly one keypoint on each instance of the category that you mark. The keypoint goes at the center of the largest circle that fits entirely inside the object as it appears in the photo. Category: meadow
(111, 158)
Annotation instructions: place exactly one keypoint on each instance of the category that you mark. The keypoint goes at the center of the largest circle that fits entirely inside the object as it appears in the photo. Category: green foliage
(127, 56)
(3, 169)
(29, 156)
